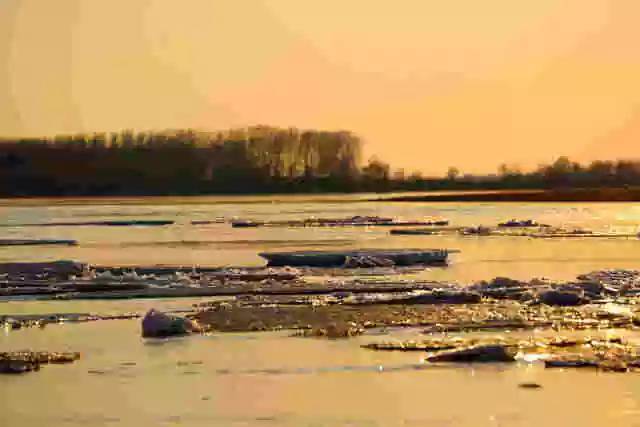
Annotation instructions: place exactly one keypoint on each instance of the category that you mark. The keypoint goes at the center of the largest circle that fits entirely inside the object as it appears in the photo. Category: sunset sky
(427, 83)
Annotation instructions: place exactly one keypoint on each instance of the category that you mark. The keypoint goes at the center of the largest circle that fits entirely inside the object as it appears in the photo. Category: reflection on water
(219, 244)
(271, 379)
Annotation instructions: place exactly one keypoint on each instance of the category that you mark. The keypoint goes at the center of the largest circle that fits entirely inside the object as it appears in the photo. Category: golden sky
(427, 83)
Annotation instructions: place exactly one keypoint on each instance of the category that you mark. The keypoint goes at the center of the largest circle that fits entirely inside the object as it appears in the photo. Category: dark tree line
(259, 159)
(562, 173)
(248, 160)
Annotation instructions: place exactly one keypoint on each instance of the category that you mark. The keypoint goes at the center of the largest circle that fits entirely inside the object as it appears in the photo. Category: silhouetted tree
(253, 159)
(453, 173)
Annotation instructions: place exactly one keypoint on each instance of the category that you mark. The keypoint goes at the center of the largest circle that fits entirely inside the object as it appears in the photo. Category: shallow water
(271, 379)
(275, 380)
(219, 244)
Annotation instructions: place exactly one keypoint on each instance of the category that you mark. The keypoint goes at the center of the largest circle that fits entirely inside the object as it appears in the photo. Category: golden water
(270, 379)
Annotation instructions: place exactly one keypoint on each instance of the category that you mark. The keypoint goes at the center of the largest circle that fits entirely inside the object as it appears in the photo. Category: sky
(427, 84)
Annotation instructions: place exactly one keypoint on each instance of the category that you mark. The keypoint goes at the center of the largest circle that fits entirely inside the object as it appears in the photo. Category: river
(271, 379)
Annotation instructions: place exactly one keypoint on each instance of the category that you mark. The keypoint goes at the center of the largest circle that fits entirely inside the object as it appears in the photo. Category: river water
(271, 379)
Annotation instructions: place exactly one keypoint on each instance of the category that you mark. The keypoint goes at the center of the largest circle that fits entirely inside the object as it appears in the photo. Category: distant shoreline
(558, 195)
(620, 194)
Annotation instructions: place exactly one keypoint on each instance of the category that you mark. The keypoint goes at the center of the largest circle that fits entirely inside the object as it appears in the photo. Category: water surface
(219, 244)
(271, 379)
(276, 380)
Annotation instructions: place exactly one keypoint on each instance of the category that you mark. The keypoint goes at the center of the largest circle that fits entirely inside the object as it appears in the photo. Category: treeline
(248, 160)
(562, 173)
(258, 159)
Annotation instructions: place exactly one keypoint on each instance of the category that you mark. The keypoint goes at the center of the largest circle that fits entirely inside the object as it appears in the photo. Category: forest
(258, 159)
(249, 160)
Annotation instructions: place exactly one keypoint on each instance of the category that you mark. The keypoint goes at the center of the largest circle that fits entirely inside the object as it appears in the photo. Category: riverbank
(608, 194)
(630, 194)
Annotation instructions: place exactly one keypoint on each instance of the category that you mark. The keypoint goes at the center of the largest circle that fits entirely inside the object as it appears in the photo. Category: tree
(376, 170)
(505, 170)
(416, 176)
(562, 166)
(601, 172)
(453, 173)
(399, 175)
(627, 172)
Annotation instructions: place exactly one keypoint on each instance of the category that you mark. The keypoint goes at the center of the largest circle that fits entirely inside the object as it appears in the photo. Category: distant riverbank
(558, 195)
(629, 194)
